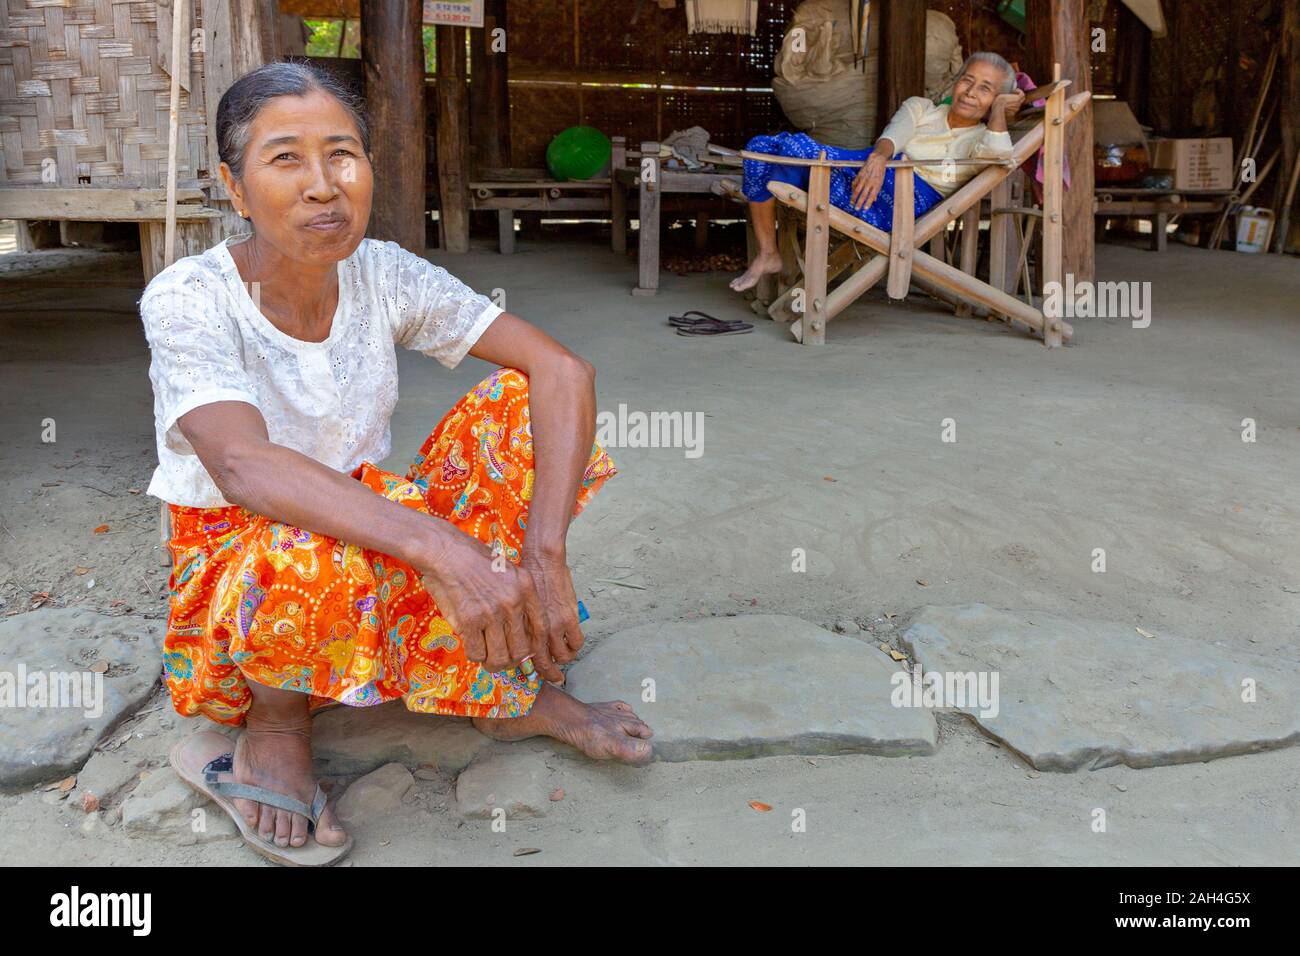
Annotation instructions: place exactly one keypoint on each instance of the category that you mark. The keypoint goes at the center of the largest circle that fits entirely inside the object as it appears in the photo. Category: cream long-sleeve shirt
(920, 129)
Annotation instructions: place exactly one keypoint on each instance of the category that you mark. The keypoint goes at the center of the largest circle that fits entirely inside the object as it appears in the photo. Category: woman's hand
(1004, 109)
(559, 603)
(867, 183)
(491, 604)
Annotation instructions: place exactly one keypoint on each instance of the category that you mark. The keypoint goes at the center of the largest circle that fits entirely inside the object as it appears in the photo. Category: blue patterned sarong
(879, 214)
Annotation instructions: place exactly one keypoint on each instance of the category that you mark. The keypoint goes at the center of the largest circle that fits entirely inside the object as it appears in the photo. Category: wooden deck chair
(871, 253)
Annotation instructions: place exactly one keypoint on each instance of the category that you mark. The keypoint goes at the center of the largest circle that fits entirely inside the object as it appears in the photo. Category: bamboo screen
(84, 97)
(585, 62)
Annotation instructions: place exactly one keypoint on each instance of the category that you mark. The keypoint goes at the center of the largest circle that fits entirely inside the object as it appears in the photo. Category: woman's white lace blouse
(331, 400)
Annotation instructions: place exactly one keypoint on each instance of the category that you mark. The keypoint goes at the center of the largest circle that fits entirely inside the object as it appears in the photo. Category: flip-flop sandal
(685, 318)
(715, 329)
(204, 758)
(707, 322)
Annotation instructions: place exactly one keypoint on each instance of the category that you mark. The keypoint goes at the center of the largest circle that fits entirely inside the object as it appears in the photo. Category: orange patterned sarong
(256, 599)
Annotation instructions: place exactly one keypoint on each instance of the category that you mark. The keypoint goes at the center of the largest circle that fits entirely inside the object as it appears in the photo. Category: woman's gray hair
(993, 59)
(247, 96)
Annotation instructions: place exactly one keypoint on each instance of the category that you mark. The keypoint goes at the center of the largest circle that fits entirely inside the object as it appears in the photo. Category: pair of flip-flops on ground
(204, 761)
(695, 322)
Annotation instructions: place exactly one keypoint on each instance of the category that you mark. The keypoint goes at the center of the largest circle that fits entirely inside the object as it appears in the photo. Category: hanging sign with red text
(456, 13)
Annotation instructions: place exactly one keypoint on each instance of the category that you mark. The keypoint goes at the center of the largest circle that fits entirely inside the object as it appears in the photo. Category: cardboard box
(1195, 163)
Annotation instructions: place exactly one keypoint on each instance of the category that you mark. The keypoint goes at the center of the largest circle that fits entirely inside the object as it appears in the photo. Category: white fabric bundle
(722, 16)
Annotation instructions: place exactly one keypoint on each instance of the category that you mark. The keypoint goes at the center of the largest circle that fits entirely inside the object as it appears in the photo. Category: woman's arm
(562, 408)
(895, 137)
(493, 609)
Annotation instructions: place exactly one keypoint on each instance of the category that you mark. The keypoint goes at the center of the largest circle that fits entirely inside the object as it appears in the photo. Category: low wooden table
(651, 190)
(510, 191)
(1157, 205)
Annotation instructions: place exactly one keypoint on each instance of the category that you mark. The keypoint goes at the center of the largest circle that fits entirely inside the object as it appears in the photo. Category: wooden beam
(101, 204)
(902, 55)
(393, 58)
(1058, 32)
(453, 113)
(489, 92)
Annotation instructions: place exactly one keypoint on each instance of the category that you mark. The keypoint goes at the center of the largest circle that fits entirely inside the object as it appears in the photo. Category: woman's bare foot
(605, 731)
(764, 264)
(275, 753)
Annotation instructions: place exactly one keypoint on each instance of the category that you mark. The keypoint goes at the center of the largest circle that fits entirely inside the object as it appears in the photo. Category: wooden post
(970, 247)
(902, 232)
(1004, 239)
(393, 58)
(816, 244)
(1058, 33)
(1053, 223)
(489, 92)
(902, 55)
(702, 232)
(1289, 96)
(618, 197)
(648, 241)
(506, 230)
(1132, 61)
(453, 110)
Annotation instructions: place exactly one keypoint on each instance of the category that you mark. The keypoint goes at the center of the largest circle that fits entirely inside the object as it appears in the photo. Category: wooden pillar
(902, 55)
(1055, 224)
(453, 150)
(1289, 94)
(1132, 62)
(393, 56)
(618, 197)
(1058, 32)
(648, 237)
(489, 92)
(268, 28)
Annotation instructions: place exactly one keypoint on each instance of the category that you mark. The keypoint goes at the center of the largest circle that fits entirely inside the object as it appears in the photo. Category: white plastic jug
(1254, 229)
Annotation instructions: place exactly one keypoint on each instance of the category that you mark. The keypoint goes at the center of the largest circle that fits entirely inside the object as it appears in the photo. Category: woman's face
(976, 90)
(307, 183)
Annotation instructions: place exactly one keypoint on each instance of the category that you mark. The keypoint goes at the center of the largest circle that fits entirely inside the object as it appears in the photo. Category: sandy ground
(1130, 441)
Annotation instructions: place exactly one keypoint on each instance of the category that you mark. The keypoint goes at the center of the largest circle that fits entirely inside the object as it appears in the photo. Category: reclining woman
(984, 100)
(305, 575)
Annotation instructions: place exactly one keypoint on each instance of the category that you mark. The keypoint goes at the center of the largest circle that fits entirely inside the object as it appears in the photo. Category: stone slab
(1077, 693)
(753, 686)
(58, 649)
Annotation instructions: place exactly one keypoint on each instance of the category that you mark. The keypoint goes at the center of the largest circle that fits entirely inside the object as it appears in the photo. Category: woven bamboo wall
(84, 98)
(556, 43)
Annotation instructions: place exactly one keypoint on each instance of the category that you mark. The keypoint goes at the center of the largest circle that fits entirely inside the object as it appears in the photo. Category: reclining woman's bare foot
(277, 756)
(604, 731)
(764, 264)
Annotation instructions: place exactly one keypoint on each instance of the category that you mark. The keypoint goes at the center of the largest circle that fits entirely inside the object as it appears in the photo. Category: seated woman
(985, 90)
(303, 573)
